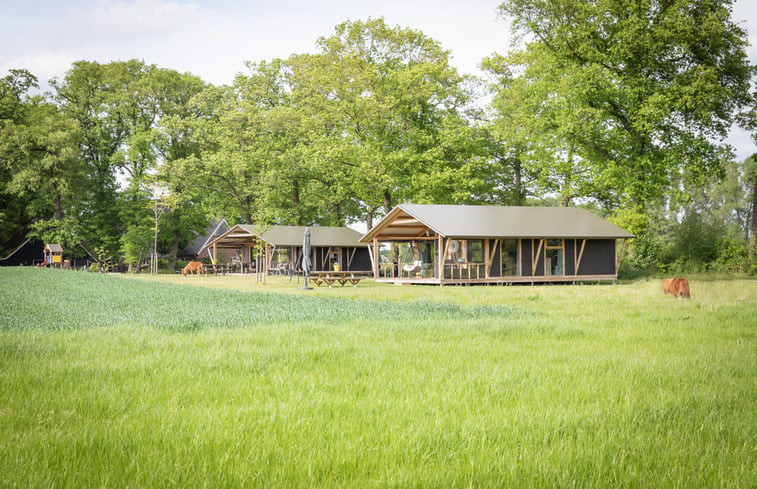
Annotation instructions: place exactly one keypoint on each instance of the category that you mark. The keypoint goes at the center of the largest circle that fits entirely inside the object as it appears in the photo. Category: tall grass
(587, 386)
(49, 299)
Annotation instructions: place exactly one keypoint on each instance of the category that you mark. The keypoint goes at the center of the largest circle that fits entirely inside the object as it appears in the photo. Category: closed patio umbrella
(306, 263)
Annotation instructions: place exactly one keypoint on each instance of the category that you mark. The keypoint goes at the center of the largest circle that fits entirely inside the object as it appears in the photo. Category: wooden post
(491, 259)
(535, 257)
(577, 263)
(373, 263)
(444, 257)
(375, 258)
(266, 262)
(620, 256)
(486, 259)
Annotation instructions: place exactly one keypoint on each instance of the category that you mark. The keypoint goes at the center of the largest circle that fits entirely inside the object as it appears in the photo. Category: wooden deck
(500, 280)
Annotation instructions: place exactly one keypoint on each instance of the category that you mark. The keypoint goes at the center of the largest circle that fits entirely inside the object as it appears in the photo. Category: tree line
(618, 106)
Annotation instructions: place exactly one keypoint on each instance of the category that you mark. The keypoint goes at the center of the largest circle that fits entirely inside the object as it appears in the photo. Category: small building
(278, 249)
(470, 244)
(53, 255)
(30, 252)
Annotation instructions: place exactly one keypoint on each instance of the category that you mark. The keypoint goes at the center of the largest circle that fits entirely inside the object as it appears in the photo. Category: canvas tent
(452, 244)
(278, 249)
(30, 252)
(197, 249)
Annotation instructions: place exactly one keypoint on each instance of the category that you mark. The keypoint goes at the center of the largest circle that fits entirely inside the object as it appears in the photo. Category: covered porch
(277, 250)
(407, 248)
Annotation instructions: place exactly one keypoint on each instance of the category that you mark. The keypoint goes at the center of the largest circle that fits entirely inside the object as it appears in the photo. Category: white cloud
(143, 20)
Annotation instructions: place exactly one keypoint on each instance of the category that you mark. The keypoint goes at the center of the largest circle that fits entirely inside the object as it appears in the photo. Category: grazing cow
(677, 287)
(192, 267)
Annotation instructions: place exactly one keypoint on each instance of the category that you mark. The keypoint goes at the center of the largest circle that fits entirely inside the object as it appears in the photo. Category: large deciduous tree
(14, 108)
(663, 81)
(393, 96)
(233, 144)
(38, 161)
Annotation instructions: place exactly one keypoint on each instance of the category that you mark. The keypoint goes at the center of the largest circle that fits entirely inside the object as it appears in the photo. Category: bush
(733, 256)
(696, 240)
(645, 253)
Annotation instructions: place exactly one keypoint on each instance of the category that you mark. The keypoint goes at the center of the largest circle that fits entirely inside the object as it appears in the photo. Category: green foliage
(643, 92)
(646, 253)
(732, 256)
(617, 104)
(696, 240)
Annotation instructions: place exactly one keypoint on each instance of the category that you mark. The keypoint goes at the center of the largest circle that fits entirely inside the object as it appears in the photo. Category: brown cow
(677, 287)
(192, 267)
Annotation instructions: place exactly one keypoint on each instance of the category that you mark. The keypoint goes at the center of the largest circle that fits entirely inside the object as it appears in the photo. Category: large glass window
(510, 258)
(554, 257)
(476, 251)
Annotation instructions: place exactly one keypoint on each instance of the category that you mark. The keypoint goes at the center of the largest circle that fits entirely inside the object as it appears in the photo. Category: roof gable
(480, 221)
(290, 236)
(201, 241)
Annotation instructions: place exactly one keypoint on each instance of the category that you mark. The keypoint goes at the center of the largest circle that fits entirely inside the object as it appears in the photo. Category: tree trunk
(369, 218)
(58, 207)
(174, 250)
(753, 233)
(245, 206)
(518, 173)
(395, 248)
(296, 202)
(338, 215)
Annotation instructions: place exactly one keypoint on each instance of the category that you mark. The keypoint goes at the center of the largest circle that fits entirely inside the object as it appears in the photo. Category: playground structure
(53, 256)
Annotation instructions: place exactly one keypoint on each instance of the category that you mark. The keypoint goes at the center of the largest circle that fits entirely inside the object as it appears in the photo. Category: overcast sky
(213, 38)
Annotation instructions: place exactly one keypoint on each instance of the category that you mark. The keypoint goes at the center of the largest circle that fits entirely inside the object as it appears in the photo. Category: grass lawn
(170, 381)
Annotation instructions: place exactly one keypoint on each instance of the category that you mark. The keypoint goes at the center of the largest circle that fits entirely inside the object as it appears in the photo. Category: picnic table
(340, 277)
(219, 269)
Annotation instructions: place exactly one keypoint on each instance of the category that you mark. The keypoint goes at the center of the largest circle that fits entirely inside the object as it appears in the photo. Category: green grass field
(134, 381)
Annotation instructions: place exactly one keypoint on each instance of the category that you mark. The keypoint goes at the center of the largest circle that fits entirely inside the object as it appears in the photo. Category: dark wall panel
(496, 258)
(361, 262)
(527, 253)
(598, 258)
(568, 259)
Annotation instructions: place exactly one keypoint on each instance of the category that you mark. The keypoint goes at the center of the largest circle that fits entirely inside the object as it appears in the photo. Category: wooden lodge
(469, 244)
(278, 249)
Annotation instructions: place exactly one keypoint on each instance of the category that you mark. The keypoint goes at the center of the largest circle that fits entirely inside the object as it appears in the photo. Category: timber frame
(275, 250)
(408, 247)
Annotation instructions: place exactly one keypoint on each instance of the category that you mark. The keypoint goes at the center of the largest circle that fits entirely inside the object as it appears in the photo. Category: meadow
(170, 381)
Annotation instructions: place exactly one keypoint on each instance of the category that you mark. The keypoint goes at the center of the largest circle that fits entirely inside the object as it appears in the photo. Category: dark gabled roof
(54, 248)
(216, 229)
(289, 236)
(484, 221)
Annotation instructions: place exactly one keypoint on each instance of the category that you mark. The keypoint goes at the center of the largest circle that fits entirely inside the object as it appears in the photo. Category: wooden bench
(341, 278)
